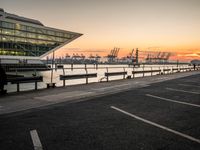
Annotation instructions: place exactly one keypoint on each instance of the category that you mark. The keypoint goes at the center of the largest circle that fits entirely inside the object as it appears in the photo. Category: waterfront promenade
(157, 112)
(44, 97)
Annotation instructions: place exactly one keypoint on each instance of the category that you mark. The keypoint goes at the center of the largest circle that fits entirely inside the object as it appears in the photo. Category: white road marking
(110, 87)
(158, 126)
(171, 89)
(63, 96)
(190, 85)
(171, 100)
(36, 140)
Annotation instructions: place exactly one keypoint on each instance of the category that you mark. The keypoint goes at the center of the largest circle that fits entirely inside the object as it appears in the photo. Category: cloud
(189, 55)
(85, 50)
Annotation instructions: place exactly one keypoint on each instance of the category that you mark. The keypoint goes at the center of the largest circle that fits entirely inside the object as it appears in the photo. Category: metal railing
(112, 71)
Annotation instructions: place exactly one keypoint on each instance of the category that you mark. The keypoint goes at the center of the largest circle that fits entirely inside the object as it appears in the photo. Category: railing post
(151, 72)
(63, 71)
(64, 82)
(133, 72)
(16, 71)
(17, 87)
(71, 66)
(124, 73)
(143, 70)
(35, 70)
(159, 70)
(107, 73)
(35, 85)
(168, 71)
(96, 66)
(86, 74)
(64, 74)
(86, 79)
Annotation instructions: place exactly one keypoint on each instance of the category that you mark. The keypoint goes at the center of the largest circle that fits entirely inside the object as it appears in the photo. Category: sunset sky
(160, 25)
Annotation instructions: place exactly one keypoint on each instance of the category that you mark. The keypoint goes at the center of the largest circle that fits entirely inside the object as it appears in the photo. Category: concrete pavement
(33, 99)
(140, 118)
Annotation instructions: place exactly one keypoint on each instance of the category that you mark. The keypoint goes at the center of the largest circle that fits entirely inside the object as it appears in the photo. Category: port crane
(113, 54)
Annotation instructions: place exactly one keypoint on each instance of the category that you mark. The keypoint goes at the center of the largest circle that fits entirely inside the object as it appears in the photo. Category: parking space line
(171, 100)
(110, 87)
(171, 89)
(36, 140)
(157, 125)
(190, 85)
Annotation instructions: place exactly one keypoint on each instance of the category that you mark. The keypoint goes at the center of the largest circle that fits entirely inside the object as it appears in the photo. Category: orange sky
(181, 53)
(159, 25)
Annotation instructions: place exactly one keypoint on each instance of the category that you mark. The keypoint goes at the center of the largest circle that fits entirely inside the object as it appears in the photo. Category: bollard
(107, 72)
(71, 67)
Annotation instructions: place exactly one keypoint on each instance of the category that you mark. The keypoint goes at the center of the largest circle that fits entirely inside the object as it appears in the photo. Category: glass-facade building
(26, 38)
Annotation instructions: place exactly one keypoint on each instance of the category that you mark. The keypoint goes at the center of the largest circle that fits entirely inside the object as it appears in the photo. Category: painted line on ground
(36, 140)
(171, 100)
(190, 85)
(63, 96)
(110, 87)
(158, 125)
(171, 89)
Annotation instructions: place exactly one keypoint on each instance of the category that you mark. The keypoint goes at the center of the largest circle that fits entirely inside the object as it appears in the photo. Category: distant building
(24, 40)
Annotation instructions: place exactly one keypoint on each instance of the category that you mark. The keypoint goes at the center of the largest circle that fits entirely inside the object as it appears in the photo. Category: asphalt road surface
(161, 116)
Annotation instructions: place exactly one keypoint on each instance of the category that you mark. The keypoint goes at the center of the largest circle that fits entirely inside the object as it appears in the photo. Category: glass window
(71, 35)
(67, 35)
(50, 32)
(10, 38)
(20, 39)
(42, 31)
(32, 41)
(31, 35)
(7, 31)
(52, 38)
(31, 29)
(41, 42)
(59, 34)
(3, 39)
(20, 33)
(17, 26)
(40, 36)
(7, 25)
(23, 27)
